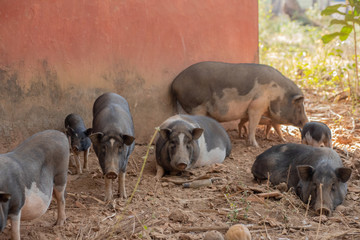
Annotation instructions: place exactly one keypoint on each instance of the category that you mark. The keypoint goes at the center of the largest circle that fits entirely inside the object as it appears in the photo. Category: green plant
(350, 18)
(298, 52)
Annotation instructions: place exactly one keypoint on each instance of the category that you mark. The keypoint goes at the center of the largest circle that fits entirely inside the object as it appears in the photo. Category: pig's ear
(128, 140)
(343, 174)
(305, 172)
(196, 133)
(298, 99)
(4, 197)
(88, 132)
(70, 131)
(165, 133)
(95, 137)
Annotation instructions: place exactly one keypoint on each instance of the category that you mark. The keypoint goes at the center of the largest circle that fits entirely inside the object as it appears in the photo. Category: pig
(112, 136)
(226, 92)
(78, 138)
(30, 175)
(304, 168)
(316, 134)
(187, 142)
(263, 121)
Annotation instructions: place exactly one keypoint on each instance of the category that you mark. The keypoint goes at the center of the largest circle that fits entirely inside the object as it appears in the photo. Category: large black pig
(187, 142)
(304, 168)
(30, 175)
(113, 139)
(79, 139)
(227, 92)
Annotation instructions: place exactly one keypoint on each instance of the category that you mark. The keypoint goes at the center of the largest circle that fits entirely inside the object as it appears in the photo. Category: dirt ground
(165, 210)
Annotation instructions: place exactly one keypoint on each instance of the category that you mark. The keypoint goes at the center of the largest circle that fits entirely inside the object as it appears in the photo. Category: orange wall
(57, 56)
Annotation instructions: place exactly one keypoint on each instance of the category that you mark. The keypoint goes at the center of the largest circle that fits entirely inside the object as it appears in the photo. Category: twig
(111, 216)
(86, 196)
(353, 125)
(288, 176)
(347, 232)
(201, 229)
(321, 203)
(121, 216)
(270, 194)
(259, 228)
(338, 115)
(256, 189)
(292, 204)
(180, 182)
(267, 234)
(133, 231)
(142, 225)
(307, 206)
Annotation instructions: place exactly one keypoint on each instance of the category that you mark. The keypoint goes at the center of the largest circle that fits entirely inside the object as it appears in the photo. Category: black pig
(304, 168)
(79, 139)
(113, 139)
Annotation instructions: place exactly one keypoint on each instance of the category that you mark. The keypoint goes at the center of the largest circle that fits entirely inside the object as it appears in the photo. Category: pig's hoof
(122, 196)
(108, 198)
(254, 144)
(110, 205)
(60, 222)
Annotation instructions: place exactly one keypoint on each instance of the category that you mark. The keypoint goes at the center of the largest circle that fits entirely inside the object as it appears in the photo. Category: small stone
(282, 187)
(213, 235)
(178, 216)
(238, 232)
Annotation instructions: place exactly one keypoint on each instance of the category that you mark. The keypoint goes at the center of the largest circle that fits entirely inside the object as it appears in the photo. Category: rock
(179, 216)
(282, 187)
(238, 232)
(213, 235)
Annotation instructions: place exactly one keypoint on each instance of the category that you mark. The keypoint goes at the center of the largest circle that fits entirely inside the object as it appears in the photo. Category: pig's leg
(267, 131)
(108, 189)
(328, 144)
(78, 163)
(277, 128)
(121, 185)
(86, 155)
(241, 125)
(15, 226)
(159, 172)
(255, 111)
(59, 192)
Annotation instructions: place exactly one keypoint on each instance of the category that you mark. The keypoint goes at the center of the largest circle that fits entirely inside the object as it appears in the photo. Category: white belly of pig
(215, 155)
(36, 203)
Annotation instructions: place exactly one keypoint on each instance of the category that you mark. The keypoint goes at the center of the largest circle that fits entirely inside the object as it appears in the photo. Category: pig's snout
(325, 211)
(111, 170)
(76, 148)
(181, 166)
(111, 175)
(302, 122)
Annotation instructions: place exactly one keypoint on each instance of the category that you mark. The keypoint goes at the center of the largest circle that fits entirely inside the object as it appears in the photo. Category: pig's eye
(103, 149)
(333, 187)
(188, 146)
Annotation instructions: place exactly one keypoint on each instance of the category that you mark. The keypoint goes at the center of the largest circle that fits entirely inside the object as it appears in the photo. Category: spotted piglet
(316, 134)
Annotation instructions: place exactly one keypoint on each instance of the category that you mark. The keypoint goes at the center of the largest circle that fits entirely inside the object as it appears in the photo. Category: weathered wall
(57, 56)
